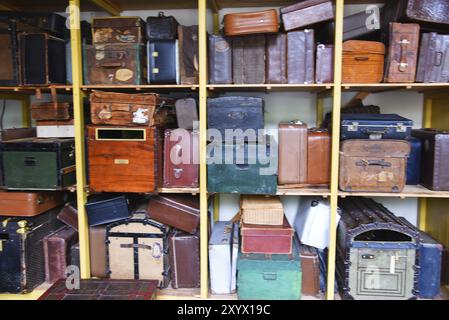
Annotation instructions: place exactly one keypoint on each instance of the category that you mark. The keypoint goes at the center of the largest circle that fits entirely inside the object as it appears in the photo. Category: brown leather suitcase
(180, 211)
(57, 247)
(267, 239)
(276, 58)
(184, 251)
(292, 166)
(435, 155)
(373, 165)
(433, 65)
(123, 109)
(69, 216)
(51, 111)
(118, 30)
(248, 59)
(28, 204)
(181, 158)
(310, 267)
(324, 64)
(402, 53)
(319, 157)
(305, 13)
(123, 159)
(301, 56)
(97, 251)
(363, 61)
(239, 24)
(220, 60)
(188, 53)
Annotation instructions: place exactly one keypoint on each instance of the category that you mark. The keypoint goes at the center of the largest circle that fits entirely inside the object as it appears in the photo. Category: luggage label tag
(140, 116)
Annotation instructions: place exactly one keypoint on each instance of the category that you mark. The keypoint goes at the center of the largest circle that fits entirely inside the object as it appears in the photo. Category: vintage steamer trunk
(414, 162)
(248, 59)
(301, 56)
(235, 113)
(377, 253)
(42, 59)
(163, 62)
(310, 266)
(220, 60)
(375, 126)
(223, 253)
(251, 171)
(187, 113)
(184, 250)
(162, 27)
(176, 210)
(188, 53)
(137, 248)
(277, 277)
(402, 53)
(181, 159)
(363, 61)
(104, 208)
(114, 64)
(123, 159)
(276, 58)
(363, 25)
(433, 65)
(22, 265)
(97, 250)
(292, 153)
(374, 166)
(128, 30)
(28, 204)
(57, 248)
(103, 290)
(305, 13)
(319, 157)
(121, 109)
(434, 165)
(262, 210)
(265, 239)
(239, 24)
(39, 164)
(10, 71)
(51, 111)
(430, 253)
(324, 72)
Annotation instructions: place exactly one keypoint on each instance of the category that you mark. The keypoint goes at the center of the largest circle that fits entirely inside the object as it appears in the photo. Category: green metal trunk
(275, 278)
(39, 164)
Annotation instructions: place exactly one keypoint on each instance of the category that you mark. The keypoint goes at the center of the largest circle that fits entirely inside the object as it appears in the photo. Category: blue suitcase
(375, 126)
(430, 254)
(414, 162)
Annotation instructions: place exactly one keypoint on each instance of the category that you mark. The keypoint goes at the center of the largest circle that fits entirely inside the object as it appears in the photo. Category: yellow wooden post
(216, 207)
(319, 110)
(77, 75)
(26, 115)
(202, 26)
(335, 148)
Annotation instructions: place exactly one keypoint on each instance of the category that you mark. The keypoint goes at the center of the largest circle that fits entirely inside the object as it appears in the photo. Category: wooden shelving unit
(433, 213)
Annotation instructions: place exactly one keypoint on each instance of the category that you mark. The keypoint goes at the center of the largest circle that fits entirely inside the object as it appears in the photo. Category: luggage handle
(361, 58)
(365, 163)
(237, 115)
(29, 161)
(269, 276)
(375, 132)
(438, 59)
(403, 65)
(242, 167)
(110, 64)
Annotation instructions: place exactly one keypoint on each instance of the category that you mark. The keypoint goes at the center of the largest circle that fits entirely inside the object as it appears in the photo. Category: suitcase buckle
(178, 172)
(353, 127)
(401, 128)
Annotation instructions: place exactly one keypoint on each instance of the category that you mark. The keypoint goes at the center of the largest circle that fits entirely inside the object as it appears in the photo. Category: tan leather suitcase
(97, 249)
(373, 165)
(28, 204)
(319, 157)
(292, 166)
(363, 61)
(403, 53)
(184, 251)
(238, 24)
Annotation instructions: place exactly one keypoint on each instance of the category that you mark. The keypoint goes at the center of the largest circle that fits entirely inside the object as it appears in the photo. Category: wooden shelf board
(382, 87)
(178, 294)
(32, 89)
(408, 192)
(34, 295)
(141, 87)
(270, 87)
(285, 191)
(251, 3)
(179, 190)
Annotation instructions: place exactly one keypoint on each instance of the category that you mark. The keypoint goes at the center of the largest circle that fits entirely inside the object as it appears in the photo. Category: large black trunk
(9, 72)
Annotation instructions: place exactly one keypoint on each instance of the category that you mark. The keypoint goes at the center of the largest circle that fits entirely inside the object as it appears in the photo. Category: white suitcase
(223, 252)
(312, 223)
(64, 131)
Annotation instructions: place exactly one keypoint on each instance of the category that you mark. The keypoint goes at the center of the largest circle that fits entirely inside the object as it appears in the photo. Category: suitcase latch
(178, 172)
(353, 127)
(401, 128)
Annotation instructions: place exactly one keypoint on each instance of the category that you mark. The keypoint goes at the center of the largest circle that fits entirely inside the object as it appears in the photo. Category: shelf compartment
(316, 88)
(382, 87)
(408, 192)
(286, 191)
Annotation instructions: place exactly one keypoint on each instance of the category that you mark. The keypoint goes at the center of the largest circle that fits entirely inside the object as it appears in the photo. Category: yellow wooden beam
(335, 149)
(108, 6)
(216, 207)
(216, 23)
(26, 113)
(202, 26)
(422, 215)
(427, 111)
(319, 111)
(77, 74)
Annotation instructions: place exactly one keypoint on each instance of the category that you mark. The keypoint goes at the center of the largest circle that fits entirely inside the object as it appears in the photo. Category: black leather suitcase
(364, 25)
(220, 60)
(106, 208)
(43, 59)
(162, 27)
(163, 62)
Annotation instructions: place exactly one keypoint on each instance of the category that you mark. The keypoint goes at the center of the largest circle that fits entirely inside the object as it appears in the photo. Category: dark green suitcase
(278, 277)
(241, 169)
(39, 164)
